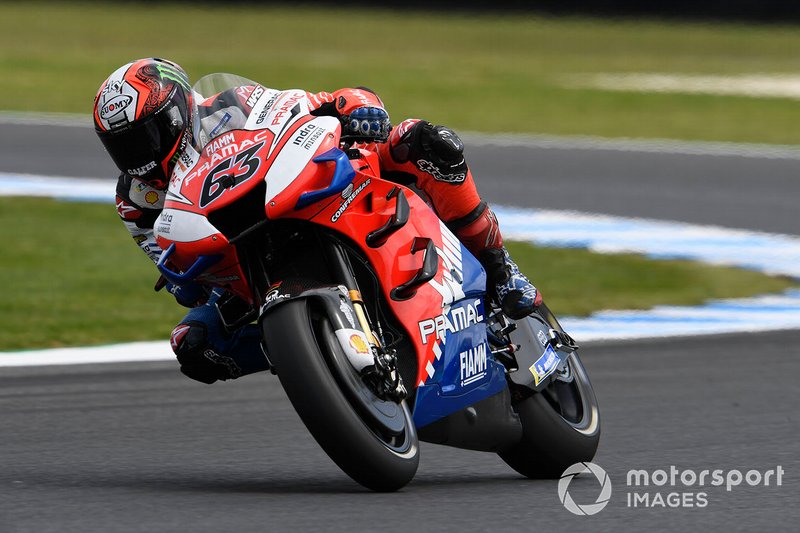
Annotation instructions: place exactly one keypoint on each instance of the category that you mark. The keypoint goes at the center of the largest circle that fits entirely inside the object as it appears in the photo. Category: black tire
(560, 425)
(334, 404)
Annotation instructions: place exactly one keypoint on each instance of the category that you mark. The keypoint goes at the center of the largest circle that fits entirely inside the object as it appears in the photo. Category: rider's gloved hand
(189, 295)
(361, 112)
(370, 124)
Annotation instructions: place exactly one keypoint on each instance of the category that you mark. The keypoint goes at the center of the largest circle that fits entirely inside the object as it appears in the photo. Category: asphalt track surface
(122, 447)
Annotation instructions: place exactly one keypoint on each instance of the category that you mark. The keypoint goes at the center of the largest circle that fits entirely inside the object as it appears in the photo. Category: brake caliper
(383, 376)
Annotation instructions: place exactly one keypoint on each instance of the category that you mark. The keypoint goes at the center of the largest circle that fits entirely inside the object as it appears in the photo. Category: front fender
(334, 301)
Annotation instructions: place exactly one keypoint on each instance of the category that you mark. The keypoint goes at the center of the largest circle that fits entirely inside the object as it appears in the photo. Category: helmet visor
(141, 149)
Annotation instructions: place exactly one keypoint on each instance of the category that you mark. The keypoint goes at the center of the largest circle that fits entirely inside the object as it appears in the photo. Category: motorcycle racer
(147, 116)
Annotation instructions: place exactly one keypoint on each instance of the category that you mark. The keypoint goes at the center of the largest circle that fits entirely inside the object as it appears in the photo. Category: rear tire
(560, 425)
(319, 382)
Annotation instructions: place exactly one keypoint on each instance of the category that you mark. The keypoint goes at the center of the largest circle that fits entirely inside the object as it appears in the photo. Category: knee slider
(198, 358)
(188, 338)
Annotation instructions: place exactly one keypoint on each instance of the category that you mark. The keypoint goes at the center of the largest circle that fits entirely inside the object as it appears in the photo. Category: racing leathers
(413, 152)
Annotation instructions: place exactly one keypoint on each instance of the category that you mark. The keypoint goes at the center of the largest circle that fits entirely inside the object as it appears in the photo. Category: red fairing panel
(393, 261)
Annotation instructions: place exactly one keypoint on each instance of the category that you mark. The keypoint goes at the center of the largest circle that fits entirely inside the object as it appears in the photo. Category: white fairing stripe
(183, 226)
(296, 154)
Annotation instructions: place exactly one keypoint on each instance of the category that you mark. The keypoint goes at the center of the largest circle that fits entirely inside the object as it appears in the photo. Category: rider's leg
(432, 157)
(207, 353)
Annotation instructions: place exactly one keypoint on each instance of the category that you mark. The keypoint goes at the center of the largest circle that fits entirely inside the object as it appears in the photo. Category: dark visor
(140, 149)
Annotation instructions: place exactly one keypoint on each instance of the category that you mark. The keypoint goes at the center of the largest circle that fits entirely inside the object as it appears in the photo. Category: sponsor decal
(186, 159)
(255, 95)
(151, 197)
(287, 107)
(262, 115)
(164, 223)
(243, 91)
(438, 175)
(308, 135)
(358, 343)
(223, 151)
(356, 347)
(274, 295)
(186, 137)
(142, 170)
(545, 365)
(115, 105)
(219, 143)
(455, 320)
(113, 86)
(347, 311)
(473, 364)
(139, 239)
(542, 337)
(221, 124)
(362, 98)
(349, 200)
(168, 72)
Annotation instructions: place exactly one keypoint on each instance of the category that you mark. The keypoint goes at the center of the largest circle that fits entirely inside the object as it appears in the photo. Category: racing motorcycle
(374, 316)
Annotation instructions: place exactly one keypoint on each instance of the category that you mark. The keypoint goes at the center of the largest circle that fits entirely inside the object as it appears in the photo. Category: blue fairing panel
(465, 371)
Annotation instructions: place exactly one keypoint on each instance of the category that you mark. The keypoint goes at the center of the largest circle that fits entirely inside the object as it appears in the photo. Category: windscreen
(207, 87)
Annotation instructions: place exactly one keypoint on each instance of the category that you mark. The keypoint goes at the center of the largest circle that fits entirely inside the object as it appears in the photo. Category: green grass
(484, 73)
(72, 276)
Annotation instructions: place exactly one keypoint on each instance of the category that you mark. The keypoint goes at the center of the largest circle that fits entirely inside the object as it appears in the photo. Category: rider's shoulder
(139, 193)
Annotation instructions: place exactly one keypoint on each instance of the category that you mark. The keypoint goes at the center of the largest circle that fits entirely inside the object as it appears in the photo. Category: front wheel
(374, 441)
(561, 425)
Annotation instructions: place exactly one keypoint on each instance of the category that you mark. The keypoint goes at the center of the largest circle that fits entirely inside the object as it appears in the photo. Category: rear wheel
(372, 440)
(560, 424)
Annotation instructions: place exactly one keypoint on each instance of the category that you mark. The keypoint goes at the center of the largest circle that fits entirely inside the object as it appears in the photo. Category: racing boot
(515, 293)
(480, 233)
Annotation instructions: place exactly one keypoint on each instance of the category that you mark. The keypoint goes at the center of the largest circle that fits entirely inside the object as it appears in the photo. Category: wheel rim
(359, 396)
(574, 401)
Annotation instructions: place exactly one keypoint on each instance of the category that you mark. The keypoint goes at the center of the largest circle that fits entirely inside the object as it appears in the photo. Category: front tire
(372, 440)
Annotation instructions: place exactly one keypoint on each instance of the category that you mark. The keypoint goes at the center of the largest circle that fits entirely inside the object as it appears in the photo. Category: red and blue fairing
(292, 162)
(462, 370)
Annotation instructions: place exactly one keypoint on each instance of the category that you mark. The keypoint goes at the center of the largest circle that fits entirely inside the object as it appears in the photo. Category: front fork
(383, 376)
